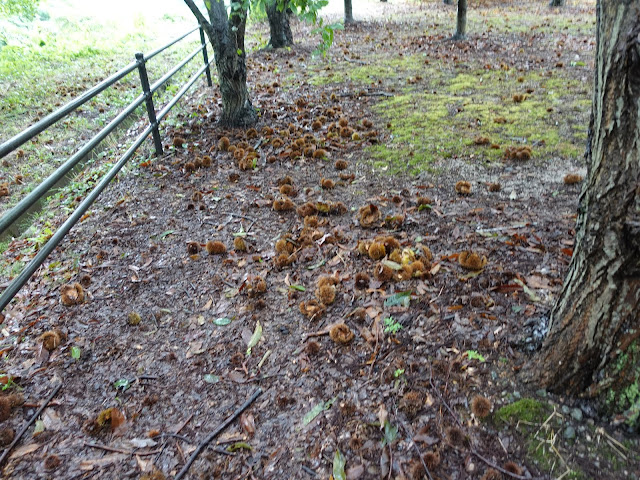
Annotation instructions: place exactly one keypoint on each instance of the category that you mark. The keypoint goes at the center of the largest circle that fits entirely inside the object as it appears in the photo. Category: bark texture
(461, 22)
(279, 27)
(348, 11)
(226, 33)
(593, 347)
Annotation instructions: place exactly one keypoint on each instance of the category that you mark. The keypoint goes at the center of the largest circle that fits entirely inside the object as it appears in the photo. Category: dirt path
(359, 302)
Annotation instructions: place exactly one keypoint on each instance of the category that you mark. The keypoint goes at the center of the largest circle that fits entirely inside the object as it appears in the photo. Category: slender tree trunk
(593, 347)
(348, 11)
(278, 16)
(461, 23)
(226, 34)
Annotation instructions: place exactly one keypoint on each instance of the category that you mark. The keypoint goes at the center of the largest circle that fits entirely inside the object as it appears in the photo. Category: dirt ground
(381, 319)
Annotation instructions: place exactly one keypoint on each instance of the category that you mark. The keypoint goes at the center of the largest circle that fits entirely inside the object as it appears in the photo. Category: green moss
(527, 409)
(625, 400)
(431, 125)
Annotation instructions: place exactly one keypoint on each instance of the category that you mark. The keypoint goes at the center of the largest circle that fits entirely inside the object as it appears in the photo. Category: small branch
(197, 13)
(216, 432)
(120, 450)
(367, 94)
(184, 424)
(424, 465)
(455, 417)
(31, 420)
(355, 61)
(500, 469)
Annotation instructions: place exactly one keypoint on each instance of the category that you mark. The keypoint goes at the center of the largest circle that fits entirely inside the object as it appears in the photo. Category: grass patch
(64, 51)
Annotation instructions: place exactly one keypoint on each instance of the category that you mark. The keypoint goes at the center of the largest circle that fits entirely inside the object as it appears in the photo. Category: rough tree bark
(593, 346)
(226, 33)
(278, 15)
(461, 22)
(348, 11)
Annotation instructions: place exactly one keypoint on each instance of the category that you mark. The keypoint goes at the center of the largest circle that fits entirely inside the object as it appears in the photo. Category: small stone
(516, 394)
(541, 393)
(565, 410)
(570, 433)
(576, 413)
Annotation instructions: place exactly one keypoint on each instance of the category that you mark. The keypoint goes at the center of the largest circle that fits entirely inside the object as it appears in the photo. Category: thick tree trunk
(593, 347)
(348, 11)
(277, 13)
(226, 34)
(461, 23)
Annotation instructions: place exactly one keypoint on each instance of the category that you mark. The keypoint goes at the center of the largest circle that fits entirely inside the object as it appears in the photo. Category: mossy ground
(444, 95)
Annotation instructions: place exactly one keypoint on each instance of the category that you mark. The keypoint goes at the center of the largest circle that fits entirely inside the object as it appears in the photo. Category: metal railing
(38, 192)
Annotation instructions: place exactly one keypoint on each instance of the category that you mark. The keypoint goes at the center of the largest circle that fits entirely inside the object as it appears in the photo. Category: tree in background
(348, 11)
(278, 12)
(556, 3)
(226, 29)
(19, 8)
(593, 346)
(461, 22)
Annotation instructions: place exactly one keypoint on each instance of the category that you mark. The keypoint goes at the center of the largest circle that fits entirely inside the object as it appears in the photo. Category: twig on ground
(5, 454)
(455, 417)
(106, 448)
(216, 432)
(500, 469)
(424, 465)
(354, 61)
(183, 424)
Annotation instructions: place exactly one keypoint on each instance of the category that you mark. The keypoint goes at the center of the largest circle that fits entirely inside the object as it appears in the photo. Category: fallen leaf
(25, 450)
(248, 423)
(255, 338)
(339, 462)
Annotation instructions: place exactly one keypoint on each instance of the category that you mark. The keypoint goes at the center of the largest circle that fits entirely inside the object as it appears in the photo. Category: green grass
(63, 52)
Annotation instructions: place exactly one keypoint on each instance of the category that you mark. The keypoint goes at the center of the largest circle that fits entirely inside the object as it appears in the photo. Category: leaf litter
(413, 349)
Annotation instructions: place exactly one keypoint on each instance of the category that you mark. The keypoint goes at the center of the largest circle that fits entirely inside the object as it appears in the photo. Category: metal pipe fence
(39, 191)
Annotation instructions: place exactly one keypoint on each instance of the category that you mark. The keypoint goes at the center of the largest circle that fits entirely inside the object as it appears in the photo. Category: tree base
(245, 118)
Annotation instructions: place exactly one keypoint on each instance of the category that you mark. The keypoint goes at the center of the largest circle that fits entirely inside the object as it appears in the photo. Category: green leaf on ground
(400, 298)
(390, 433)
(255, 338)
(338, 466)
(315, 411)
(222, 321)
(473, 355)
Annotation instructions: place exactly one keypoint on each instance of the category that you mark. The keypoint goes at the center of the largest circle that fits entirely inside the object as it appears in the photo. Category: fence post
(205, 55)
(151, 111)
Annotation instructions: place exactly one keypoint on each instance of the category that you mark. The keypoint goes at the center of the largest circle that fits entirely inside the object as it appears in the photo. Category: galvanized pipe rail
(154, 119)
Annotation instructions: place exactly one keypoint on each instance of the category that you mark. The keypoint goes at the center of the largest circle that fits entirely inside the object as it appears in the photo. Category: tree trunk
(348, 11)
(593, 346)
(277, 13)
(556, 3)
(461, 24)
(226, 34)
(448, 2)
